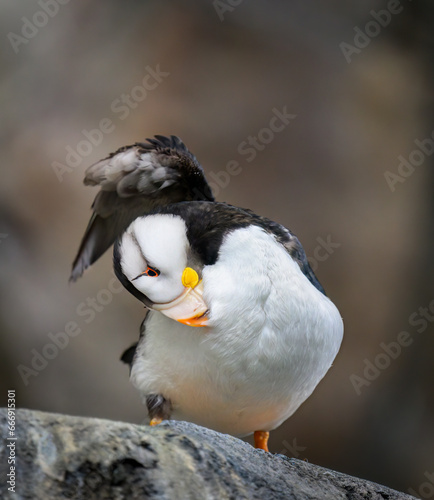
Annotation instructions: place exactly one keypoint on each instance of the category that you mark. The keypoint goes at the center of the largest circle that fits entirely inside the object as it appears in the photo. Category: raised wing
(135, 180)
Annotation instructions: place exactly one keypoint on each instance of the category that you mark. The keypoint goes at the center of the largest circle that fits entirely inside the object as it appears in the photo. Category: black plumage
(159, 172)
(168, 180)
(161, 177)
(207, 224)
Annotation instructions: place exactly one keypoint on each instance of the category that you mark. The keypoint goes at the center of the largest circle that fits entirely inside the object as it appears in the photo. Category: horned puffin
(238, 331)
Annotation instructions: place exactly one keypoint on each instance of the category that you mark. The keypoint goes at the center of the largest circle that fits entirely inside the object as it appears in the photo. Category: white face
(155, 242)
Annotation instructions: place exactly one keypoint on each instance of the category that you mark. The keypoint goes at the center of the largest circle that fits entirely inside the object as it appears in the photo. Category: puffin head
(151, 259)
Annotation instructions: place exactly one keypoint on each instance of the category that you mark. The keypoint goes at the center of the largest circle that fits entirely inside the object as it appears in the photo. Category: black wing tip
(82, 261)
(160, 142)
(73, 277)
(157, 143)
(78, 268)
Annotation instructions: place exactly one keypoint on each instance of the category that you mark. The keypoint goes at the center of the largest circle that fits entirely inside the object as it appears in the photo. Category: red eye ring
(152, 272)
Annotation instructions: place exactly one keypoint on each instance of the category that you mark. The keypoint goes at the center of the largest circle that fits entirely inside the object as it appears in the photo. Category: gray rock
(63, 457)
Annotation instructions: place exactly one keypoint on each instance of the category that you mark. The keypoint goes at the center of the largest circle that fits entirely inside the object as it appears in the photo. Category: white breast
(272, 337)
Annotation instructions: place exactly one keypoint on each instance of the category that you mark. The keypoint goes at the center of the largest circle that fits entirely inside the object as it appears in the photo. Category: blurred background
(346, 173)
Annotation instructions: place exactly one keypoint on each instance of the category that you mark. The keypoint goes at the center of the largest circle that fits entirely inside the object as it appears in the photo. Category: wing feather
(133, 181)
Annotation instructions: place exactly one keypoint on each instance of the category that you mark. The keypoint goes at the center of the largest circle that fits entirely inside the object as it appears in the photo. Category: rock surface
(63, 457)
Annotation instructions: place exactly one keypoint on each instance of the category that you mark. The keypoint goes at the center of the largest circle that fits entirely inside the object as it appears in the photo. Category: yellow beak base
(190, 278)
(189, 308)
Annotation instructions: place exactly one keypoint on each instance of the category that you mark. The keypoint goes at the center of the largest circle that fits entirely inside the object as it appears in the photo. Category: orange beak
(189, 308)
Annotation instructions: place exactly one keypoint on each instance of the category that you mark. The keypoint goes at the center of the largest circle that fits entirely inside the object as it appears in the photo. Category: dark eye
(150, 271)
